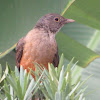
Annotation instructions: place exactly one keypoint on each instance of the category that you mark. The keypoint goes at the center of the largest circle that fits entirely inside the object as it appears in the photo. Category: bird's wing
(56, 59)
(19, 51)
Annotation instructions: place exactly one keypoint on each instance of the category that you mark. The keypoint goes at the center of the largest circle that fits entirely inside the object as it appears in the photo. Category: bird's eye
(57, 19)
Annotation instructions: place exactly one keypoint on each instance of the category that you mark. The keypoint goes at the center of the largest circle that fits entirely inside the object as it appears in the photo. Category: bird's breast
(40, 49)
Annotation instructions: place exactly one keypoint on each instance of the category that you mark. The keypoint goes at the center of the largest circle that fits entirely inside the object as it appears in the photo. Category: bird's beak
(68, 21)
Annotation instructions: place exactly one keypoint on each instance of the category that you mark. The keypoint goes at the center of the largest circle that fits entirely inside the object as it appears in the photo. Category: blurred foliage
(57, 84)
(85, 12)
(18, 85)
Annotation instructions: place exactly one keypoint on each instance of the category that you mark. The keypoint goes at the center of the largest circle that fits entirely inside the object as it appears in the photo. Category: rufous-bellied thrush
(39, 45)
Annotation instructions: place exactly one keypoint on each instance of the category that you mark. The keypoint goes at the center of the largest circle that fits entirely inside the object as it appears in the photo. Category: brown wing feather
(56, 59)
(19, 51)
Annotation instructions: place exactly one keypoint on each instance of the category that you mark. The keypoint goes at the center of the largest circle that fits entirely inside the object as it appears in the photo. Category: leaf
(19, 90)
(22, 78)
(74, 89)
(16, 72)
(12, 83)
(58, 96)
(7, 51)
(45, 93)
(75, 49)
(60, 65)
(53, 74)
(85, 12)
(76, 73)
(1, 96)
(69, 76)
(7, 92)
(0, 71)
(29, 90)
(31, 87)
(81, 84)
(48, 89)
(5, 74)
(61, 79)
(11, 92)
(25, 84)
(52, 79)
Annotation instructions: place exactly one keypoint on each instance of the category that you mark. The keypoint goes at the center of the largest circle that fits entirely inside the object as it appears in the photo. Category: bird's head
(52, 22)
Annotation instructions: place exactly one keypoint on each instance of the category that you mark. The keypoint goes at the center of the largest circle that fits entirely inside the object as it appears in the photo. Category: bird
(39, 44)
